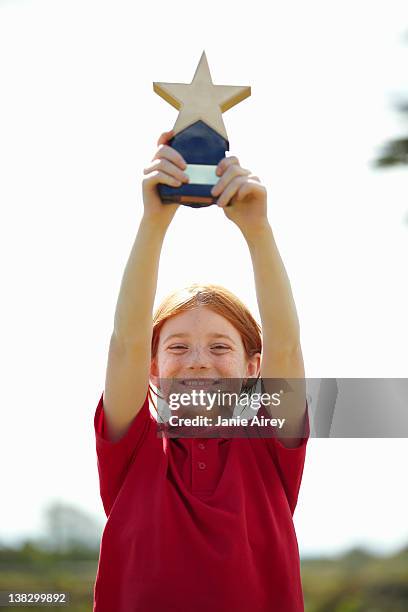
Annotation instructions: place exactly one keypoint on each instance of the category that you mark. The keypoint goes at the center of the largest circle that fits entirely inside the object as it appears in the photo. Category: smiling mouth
(199, 382)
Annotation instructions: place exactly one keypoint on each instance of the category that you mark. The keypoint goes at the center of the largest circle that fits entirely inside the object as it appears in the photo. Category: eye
(181, 346)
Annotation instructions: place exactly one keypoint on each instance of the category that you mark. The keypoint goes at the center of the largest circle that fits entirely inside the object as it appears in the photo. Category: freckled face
(200, 343)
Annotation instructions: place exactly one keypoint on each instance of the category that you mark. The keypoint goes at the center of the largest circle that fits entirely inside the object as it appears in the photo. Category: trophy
(199, 132)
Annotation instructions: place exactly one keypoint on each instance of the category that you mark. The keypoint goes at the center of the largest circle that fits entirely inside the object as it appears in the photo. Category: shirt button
(201, 446)
(202, 465)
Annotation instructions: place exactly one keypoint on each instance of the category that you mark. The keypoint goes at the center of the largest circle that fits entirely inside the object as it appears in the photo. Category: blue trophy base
(196, 196)
(202, 148)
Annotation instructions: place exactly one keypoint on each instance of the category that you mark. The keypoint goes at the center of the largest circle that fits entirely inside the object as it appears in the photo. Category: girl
(199, 524)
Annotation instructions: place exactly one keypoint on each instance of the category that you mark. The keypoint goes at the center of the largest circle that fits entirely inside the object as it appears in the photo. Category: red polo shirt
(197, 523)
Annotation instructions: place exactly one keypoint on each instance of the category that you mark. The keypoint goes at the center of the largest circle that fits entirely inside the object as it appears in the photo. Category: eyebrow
(183, 335)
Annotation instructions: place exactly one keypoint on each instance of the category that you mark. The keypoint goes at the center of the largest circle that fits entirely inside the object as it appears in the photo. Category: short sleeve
(115, 458)
(290, 462)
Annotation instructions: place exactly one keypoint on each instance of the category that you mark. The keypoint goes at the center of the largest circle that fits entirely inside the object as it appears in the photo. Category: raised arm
(244, 201)
(128, 368)
(281, 353)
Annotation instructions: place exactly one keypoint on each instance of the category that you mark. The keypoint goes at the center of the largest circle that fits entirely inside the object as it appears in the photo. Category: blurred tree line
(395, 152)
(65, 559)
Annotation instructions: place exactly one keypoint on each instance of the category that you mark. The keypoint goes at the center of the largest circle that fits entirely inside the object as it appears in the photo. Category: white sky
(78, 123)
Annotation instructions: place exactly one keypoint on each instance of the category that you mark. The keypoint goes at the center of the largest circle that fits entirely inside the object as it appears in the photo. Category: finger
(157, 176)
(225, 162)
(252, 177)
(165, 136)
(231, 190)
(229, 174)
(166, 152)
(251, 186)
(169, 168)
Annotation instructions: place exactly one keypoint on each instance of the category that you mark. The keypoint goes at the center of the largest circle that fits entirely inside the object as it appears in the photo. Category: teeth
(191, 383)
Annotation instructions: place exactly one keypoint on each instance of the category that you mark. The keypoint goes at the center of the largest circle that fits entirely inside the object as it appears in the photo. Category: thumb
(165, 136)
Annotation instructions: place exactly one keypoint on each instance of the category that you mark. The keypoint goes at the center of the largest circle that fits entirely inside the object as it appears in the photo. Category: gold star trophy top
(199, 132)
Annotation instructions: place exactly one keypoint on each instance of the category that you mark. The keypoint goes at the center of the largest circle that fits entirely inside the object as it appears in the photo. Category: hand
(168, 169)
(240, 194)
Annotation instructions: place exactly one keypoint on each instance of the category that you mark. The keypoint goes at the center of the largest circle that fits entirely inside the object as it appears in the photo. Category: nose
(198, 358)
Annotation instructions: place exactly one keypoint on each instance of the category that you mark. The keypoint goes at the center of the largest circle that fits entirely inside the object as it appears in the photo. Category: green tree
(69, 527)
(395, 152)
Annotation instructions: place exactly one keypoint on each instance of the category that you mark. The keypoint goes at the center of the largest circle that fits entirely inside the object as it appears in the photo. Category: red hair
(221, 301)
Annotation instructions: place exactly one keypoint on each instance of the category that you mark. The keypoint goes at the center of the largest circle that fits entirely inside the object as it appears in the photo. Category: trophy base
(196, 193)
(202, 148)
(189, 201)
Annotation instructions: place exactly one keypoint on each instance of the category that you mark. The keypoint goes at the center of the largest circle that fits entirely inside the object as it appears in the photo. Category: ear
(154, 372)
(253, 366)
